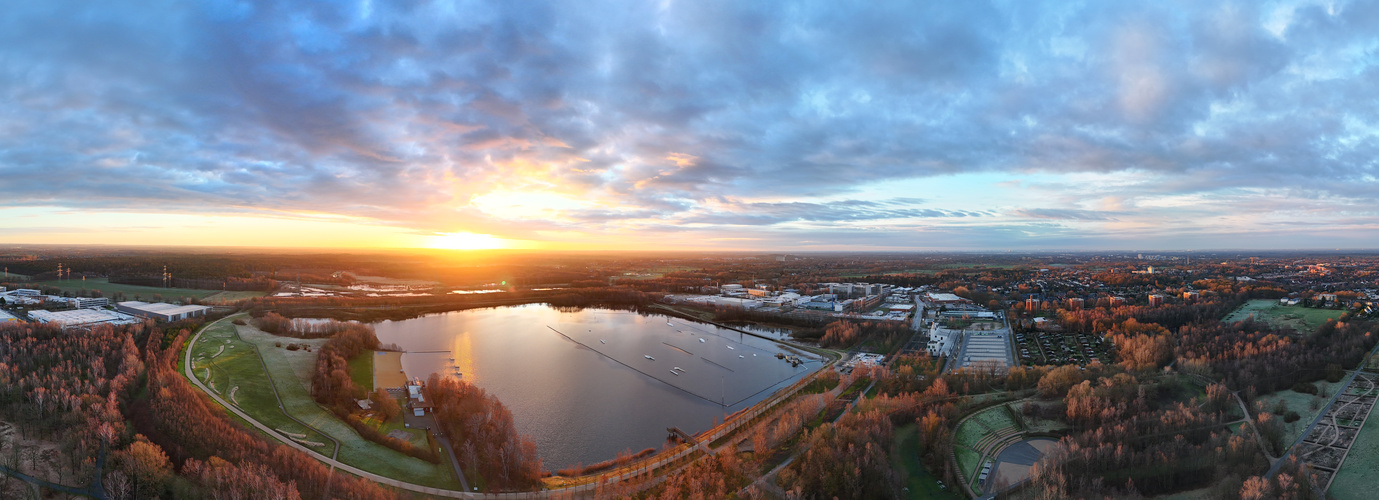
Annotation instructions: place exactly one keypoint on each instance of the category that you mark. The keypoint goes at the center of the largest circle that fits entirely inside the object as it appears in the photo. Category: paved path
(94, 490)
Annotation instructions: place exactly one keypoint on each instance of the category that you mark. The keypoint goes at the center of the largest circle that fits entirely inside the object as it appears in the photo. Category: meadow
(1304, 320)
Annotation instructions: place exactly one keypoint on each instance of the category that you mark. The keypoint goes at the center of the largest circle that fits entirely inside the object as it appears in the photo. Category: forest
(484, 436)
(117, 387)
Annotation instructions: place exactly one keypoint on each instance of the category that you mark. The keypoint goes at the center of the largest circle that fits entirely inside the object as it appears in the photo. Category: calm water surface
(588, 392)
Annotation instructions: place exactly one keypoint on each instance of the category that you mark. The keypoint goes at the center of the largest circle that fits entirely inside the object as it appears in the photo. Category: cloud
(673, 113)
(1061, 214)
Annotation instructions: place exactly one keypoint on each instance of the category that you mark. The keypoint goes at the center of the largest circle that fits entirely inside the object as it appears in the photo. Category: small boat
(741, 356)
(670, 324)
(731, 347)
(673, 373)
(601, 341)
(677, 368)
(701, 340)
(648, 356)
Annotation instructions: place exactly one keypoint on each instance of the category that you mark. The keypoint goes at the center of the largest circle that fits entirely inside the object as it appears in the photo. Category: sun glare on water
(467, 241)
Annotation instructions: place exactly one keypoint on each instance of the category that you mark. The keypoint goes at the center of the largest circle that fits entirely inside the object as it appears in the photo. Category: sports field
(1304, 320)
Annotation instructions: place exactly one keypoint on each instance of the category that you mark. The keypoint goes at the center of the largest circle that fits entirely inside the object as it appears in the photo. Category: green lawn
(968, 433)
(239, 366)
(1303, 319)
(996, 418)
(361, 370)
(967, 462)
(131, 292)
(905, 455)
(291, 374)
(230, 297)
(1301, 403)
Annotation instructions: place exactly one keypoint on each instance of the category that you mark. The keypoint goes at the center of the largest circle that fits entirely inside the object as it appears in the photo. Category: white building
(82, 317)
(161, 311)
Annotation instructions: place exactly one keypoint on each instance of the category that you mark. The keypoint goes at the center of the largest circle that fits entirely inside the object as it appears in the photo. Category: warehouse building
(161, 311)
(81, 317)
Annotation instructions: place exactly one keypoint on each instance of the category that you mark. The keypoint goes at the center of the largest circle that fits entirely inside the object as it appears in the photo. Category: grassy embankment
(238, 366)
(1304, 320)
(291, 374)
(977, 432)
(905, 456)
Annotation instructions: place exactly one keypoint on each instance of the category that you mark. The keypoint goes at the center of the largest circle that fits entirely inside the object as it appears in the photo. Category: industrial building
(82, 317)
(985, 349)
(7, 318)
(161, 311)
(85, 302)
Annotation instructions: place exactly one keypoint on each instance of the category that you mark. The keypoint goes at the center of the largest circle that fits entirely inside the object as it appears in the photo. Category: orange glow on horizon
(468, 241)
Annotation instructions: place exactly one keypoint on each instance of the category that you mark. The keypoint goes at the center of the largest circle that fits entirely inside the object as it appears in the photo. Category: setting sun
(467, 241)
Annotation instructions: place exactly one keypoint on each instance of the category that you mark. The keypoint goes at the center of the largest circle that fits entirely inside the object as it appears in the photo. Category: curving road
(573, 491)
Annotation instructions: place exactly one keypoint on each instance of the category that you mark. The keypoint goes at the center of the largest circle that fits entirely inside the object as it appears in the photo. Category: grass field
(238, 366)
(905, 455)
(230, 297)
(361, 370)
(1300, 403)
(383, 280)
(131, 292)
(1355, 480)
(967, 461)
(969, 433)
(1303, 319)
(996, 418)
(291, 374)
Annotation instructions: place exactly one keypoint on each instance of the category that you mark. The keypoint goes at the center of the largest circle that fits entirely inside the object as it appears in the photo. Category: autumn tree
(385, 404)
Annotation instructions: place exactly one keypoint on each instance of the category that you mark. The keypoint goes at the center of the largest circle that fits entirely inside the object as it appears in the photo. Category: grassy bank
(290, 373)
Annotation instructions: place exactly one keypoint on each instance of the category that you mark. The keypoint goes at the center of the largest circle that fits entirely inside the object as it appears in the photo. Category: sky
(619, 125)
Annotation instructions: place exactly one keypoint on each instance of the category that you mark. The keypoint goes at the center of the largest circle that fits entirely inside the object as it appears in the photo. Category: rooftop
(161, 308)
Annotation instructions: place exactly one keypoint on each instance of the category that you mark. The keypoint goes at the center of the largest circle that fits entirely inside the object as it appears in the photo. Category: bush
(1334, 373)
(1291, 417)
(239, 322)
(277, 344)
(1304, 388)
(293, 347)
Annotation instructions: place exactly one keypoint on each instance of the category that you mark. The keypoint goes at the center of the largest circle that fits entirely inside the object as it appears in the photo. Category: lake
(582, 383)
